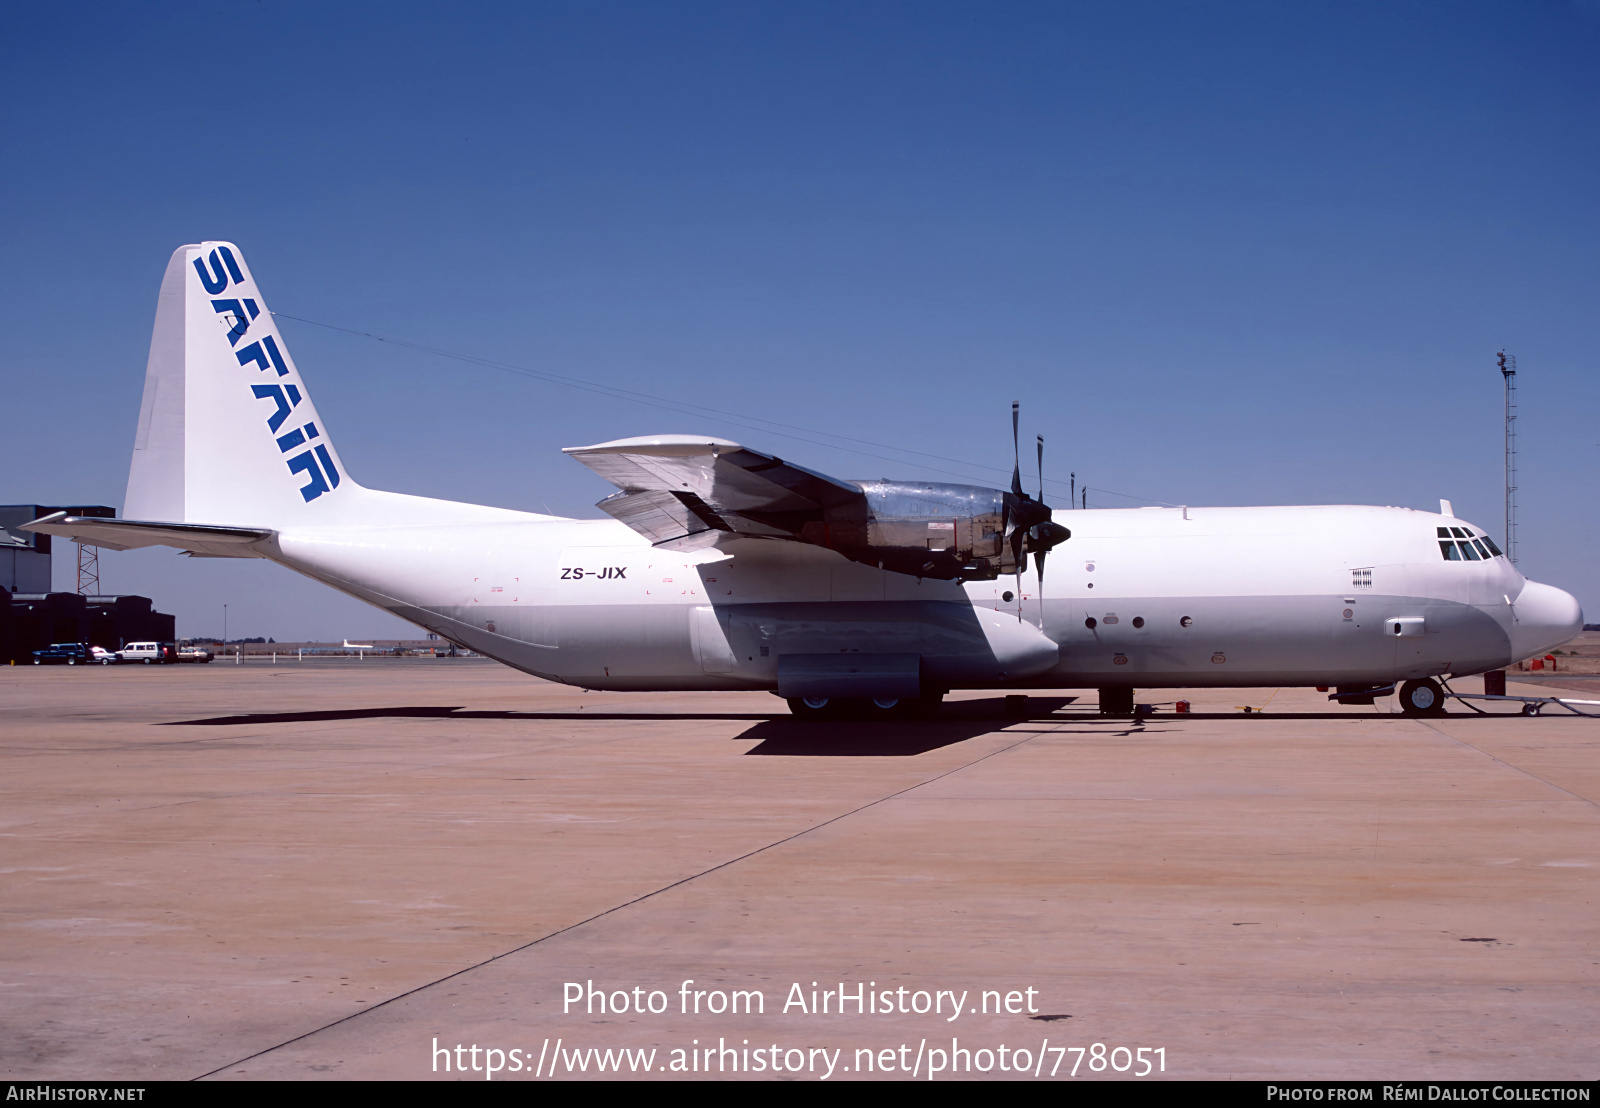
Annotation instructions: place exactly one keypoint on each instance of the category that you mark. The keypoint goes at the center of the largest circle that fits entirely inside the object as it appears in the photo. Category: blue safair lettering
(216, 284)
(253, 353)
(317, 463)
(294, 438)
(233, 266)
(284, 404)
(269, 358)
(324, 478)
(328, 467)
(305, 463)
(277, 359)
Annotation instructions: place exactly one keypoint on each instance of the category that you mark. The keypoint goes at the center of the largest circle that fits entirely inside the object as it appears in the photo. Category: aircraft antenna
(1508, 370)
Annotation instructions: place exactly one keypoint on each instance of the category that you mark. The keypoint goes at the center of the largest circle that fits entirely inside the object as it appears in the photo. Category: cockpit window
(1467, 547)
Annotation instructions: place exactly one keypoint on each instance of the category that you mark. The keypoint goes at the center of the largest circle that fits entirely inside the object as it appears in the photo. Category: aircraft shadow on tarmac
(864, 739)
(782, 734)
(777, 733)
(958, 721)
(445, 712)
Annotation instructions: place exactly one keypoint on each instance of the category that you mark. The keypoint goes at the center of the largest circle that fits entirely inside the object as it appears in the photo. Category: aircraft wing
(685, 492)
(198, 539)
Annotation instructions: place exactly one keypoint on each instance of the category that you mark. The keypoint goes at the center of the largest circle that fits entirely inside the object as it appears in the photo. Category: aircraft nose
(1546, 617)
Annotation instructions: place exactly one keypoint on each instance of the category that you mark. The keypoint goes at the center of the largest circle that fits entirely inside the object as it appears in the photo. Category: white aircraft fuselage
(1178, 597)
(713, 575)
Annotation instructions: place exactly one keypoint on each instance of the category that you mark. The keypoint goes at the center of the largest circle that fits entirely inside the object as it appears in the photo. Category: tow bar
(1531, 705)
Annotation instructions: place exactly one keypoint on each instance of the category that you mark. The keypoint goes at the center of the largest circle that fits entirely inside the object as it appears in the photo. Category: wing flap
(676, 487)
(658, 516)
(682, 521)
(132, 534)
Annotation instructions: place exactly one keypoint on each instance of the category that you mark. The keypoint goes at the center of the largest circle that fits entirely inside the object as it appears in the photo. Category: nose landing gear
(1422, 698)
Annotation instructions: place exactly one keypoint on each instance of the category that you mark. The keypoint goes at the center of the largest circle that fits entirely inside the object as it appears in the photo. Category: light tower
(88, 570)
(1508, 370)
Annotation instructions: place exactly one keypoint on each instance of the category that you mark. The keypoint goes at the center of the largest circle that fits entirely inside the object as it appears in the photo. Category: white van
(148, 652)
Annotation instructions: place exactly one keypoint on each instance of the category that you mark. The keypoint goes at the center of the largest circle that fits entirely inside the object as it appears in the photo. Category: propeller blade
(1041, 469)
(1040, 540)
(1016, 453)
(1019, 558)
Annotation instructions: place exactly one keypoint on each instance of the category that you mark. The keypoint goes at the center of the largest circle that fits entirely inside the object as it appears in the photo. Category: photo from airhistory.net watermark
(943, 1052)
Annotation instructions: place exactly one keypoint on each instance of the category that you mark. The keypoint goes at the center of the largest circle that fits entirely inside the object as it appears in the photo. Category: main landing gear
(853, 707)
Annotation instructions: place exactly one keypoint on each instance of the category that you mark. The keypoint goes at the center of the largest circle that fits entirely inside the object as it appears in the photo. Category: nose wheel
(1422, 698)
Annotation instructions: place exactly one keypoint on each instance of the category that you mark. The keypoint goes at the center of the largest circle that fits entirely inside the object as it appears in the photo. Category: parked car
(192, 653)
(103, 656)
(71, 653)
(157, 653)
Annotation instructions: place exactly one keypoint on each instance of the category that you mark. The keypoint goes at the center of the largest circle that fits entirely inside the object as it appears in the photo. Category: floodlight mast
(1508, 370)
(88, 570)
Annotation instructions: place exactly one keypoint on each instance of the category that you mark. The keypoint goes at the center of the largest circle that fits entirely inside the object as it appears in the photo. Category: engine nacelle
(933, 529)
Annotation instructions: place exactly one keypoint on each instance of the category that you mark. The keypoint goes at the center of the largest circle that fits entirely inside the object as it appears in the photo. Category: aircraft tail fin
(228, 433)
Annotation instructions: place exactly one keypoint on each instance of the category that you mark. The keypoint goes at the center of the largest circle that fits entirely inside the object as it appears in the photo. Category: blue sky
(1223, 254)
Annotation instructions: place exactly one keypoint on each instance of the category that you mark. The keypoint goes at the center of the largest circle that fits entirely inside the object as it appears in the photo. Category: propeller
(1037, 534)
(1019, 529)
(1041, 468)
(1028, 526)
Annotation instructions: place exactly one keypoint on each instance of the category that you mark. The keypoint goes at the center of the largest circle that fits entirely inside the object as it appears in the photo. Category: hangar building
(32, 617)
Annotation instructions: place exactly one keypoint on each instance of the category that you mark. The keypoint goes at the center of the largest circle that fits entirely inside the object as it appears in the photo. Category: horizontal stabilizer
(131, 534)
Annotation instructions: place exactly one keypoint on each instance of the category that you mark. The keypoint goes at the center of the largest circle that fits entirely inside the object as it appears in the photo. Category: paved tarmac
(330, 869)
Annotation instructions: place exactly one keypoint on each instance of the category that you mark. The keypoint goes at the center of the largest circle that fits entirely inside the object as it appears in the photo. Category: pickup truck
(72, 653)
(192, 653)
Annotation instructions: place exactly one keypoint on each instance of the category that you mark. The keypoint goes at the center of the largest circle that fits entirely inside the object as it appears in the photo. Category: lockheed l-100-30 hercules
(723, 567)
